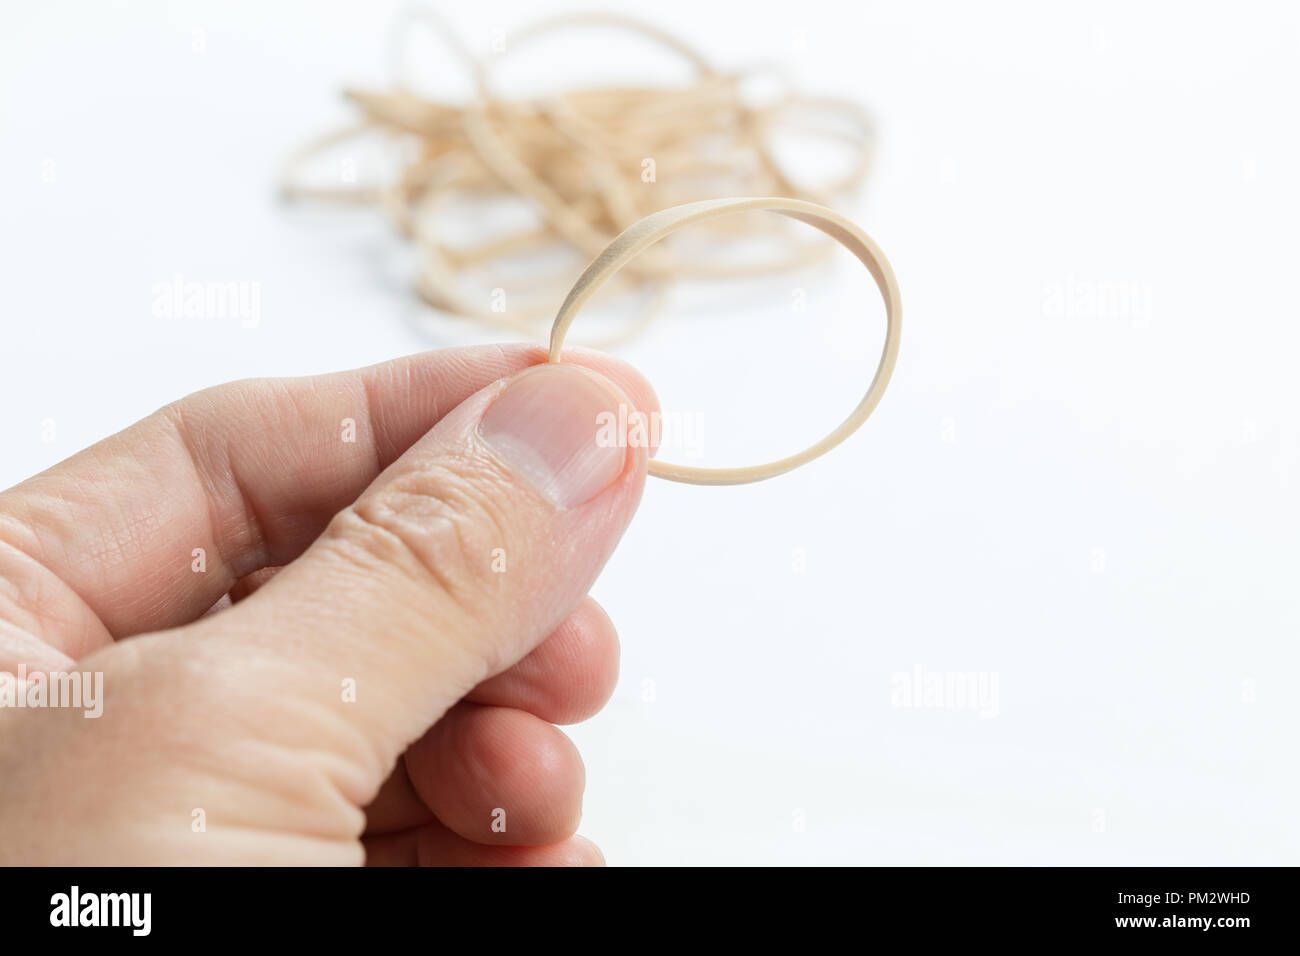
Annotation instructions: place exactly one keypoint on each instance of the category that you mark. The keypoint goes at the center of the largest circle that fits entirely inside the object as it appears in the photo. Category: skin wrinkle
(118, 540)
(340, 474)
(11, 592)
(175, 416)
(115, 545)
(326, 782)
(368, 410)
(253, 548)
(11, 524)
(304, 788)
(378, 424)
(27, 588)
(18, 646)
(121, 543)
(470, 471)
(262, 549)
(136, 543)
(375, 567)
(434, 413)
(433, 498)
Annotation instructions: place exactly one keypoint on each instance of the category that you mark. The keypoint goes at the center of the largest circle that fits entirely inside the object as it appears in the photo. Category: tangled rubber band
(591, 162)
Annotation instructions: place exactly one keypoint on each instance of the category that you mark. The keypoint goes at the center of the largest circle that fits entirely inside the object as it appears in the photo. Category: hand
(408, 549)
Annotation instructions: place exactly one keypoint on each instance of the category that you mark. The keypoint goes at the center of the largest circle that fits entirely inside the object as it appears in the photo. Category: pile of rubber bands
(590, 161)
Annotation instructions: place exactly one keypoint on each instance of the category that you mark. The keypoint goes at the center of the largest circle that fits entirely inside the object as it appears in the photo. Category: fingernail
(544, 427)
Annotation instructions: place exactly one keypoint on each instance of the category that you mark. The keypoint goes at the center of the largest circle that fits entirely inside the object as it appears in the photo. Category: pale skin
(421, 564)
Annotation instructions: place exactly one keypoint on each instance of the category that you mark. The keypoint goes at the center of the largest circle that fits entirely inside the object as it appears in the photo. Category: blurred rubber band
(589, 162)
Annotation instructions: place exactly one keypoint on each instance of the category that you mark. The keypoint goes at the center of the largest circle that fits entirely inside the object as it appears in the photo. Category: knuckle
(437, 527)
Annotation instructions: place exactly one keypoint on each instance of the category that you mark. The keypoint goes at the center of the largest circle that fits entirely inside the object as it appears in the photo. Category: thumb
(460, 558)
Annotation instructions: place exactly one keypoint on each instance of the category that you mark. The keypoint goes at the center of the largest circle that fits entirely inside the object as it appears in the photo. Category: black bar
(970, 905)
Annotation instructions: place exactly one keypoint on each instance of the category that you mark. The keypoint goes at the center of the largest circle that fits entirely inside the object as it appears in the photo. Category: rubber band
(578, 157)
(642, 235)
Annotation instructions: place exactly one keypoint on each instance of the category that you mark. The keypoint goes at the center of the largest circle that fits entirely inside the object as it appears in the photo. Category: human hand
(409, 621)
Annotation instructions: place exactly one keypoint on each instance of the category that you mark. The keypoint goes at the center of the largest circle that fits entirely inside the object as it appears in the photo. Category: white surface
(1097, 504)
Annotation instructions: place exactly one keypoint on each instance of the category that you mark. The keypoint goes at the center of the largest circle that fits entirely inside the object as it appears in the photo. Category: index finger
(150, 527)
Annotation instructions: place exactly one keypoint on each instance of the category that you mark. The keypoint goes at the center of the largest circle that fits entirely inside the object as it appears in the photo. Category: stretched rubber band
(641, 235)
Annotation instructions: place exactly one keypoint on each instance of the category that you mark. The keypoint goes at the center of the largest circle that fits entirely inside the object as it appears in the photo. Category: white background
(1094, 501)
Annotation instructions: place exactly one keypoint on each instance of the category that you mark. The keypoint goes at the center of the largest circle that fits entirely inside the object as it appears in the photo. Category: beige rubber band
(641, 235)
(576, 157)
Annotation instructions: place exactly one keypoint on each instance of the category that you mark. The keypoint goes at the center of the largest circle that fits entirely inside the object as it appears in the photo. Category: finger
(566, 678)
(435, 845)
(148, 528)
(451, 567)
(498, 775)
(490, 774)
